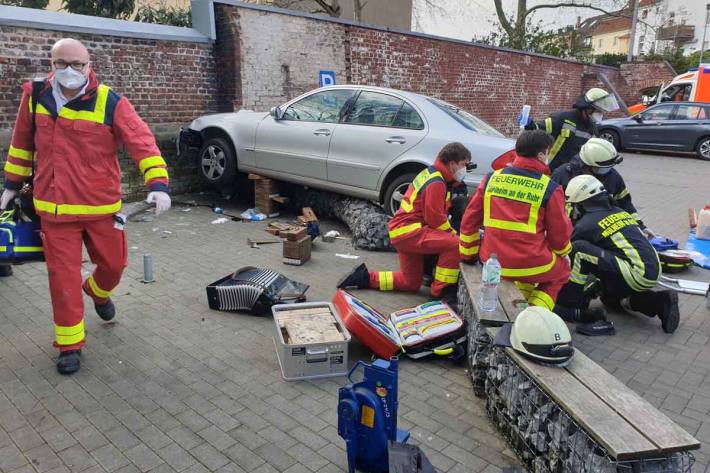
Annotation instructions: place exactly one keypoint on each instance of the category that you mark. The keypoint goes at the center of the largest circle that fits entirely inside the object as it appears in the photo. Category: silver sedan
(367, 142)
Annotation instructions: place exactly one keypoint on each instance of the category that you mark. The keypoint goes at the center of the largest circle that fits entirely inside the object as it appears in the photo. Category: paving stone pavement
(174, 386)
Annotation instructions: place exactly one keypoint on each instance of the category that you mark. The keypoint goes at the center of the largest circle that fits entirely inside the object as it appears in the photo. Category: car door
(297, 143)
(643, 132)
(683, 130)
(375, 130)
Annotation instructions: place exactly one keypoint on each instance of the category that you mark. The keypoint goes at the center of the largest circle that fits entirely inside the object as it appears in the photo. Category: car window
(320, 107)
(372, 108)
(658, 113)
(408, 118)
(690, 112)
(677, 93)
(466, 119)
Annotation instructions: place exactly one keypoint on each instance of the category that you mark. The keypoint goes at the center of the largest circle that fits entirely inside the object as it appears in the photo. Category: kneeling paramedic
(607, 243)
(598, 158)
(571, 129)
(526, 226)
(421, 227)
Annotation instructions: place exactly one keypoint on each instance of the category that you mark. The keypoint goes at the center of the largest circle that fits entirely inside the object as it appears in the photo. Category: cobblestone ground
(173, 386)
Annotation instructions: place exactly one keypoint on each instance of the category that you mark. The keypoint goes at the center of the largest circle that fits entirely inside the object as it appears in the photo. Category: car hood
(215, 118)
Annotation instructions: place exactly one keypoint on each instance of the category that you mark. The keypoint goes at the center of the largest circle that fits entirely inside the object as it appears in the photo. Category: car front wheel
(703, 149)
(612, 137)
(395, 192)
(218, 163)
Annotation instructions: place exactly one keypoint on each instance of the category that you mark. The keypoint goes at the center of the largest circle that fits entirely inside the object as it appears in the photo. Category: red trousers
(107, 249)
(542, 289)
(411, 249)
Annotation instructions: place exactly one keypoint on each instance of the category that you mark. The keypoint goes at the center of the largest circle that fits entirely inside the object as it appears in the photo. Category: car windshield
(469, 121)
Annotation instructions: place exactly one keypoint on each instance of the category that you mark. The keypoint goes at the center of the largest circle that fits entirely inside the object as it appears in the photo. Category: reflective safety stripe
(19, 153)
(541, 299)
(41, 110)
(521, 272)
(577, 276)
(395, 232)
(98, 292)
(528, 190)
(386, 280)
(149, 162)
(72, 209)
(69, 335)
(19, 170)
(96, 115)
(564, 251)
(446, 275)
(470, 238)
(444, 226)
(548, 125)
(420, 181)
(525, 288)
(622, 194)
(155, 173)
(28, 249)
(468, 251)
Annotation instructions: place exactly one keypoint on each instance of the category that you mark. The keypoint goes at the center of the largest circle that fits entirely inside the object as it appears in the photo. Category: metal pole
(705, 30)
(634, 20)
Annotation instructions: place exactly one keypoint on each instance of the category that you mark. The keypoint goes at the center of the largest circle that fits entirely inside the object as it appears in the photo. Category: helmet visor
(607, 103)
(618, 159)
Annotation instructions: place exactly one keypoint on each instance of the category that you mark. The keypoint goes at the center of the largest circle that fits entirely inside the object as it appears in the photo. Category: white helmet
(583, 187)
(542, 335)
(599, 153)
(601, 100)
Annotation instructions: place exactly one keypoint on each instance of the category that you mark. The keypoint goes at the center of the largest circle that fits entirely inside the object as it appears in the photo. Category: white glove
(8, 195)
(161, 200)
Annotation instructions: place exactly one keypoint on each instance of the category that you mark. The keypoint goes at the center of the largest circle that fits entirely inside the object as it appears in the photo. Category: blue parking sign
(326, 78)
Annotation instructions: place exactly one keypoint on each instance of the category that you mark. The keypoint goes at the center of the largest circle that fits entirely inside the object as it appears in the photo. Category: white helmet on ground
(583, 187)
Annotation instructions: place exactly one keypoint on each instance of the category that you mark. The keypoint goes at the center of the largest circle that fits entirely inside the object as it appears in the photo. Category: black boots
(450, 296)
(663, 304)
(106, 311)
(5, 270)
(579, 316)
(69, 362)
(358, 278)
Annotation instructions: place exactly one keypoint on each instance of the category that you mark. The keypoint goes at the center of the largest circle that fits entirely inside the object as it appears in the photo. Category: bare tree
(329, 7)
(358, 5)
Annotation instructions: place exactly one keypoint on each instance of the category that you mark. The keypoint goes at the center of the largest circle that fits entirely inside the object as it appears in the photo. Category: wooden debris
(305, 326)
(309, 215)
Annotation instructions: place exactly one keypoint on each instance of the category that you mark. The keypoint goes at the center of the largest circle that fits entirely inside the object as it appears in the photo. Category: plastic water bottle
(524, 116)
(490, 278)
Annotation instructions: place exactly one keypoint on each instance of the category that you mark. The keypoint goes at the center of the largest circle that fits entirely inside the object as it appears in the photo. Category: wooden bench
(578, 418)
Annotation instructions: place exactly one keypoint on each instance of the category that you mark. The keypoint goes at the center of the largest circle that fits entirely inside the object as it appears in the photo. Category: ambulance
(693, 86)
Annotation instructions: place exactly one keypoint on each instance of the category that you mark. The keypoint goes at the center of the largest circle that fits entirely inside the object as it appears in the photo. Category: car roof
(410, 95)
(700, 104)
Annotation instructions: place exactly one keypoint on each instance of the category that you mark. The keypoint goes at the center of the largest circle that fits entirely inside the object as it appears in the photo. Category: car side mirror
(638, 118)
(276, 113)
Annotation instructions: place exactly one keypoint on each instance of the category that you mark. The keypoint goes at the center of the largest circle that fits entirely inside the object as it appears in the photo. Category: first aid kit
(428, 329)
(20, 239)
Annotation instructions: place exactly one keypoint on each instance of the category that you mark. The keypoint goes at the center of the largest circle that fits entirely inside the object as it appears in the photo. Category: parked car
(671, 126)
(367, 142)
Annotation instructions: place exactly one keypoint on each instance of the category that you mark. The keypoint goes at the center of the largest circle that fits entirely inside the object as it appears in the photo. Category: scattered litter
(167, 232)
(331, 236)
(348, 256)
(186, 209)
(253, 215)
(134, 247)
(220, 220)
(218, 210)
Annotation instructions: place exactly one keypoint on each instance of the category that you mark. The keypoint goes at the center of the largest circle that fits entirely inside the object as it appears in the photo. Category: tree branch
(617, 14)
(503, 20)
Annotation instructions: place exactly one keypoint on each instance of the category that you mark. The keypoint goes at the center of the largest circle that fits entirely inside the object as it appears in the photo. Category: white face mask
(601, 171)
(460, 174)
(597, 117)
(70, 78)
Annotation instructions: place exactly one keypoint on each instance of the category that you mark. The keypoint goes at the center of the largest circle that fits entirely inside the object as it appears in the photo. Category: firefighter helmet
(599, 153)
(542, 335)
(583, 187)
(601, 100)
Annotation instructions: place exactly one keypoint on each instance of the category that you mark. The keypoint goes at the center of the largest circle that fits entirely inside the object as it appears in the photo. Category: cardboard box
(297, 252)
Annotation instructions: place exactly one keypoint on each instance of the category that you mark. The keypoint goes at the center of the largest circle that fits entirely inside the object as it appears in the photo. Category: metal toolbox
(304, 360)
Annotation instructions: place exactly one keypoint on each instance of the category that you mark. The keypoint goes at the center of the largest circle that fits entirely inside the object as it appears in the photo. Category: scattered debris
(297, 252)
(330, 236)
(252, 215)
(347, 256)
(254, 243)
(220, 220)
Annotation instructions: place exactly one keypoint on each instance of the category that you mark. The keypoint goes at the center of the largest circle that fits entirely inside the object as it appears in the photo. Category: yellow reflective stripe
(422, 178)
(19, 170)
(155, 173)
(541, 299)
(406, 206)
(626, 273)
(27, 249)
(576, 276)
(525, 288)
(19, 153)
(71, 209)
(470, 238)
(102, 293)
(386, 279)
(528, 190)
(521, 272)
(69, 335)
(564, 251)
(3, 248)
(149, 162)
(446, 275)
(556, 146)
(631, 254)
(622, 194)
(96, 115)
(548, 125)
(468, 251)
(41, 110)
(405, 229)
(444, 226)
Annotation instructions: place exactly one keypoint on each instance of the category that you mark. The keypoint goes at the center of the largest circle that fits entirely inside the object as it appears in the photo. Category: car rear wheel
(395, 192)
(612, 137)
(218, 163)
(703, 149)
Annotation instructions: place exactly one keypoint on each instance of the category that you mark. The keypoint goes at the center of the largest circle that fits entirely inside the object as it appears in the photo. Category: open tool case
(429, 329)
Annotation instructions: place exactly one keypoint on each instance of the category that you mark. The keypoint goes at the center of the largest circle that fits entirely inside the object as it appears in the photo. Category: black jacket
(615, 231)
(569, 131)
(613, 183)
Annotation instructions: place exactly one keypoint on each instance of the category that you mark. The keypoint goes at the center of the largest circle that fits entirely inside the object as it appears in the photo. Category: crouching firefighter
(421, 227)
(526, 225)
(607, 244)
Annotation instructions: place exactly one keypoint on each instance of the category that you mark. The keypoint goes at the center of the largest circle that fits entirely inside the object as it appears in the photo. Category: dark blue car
(682, 127)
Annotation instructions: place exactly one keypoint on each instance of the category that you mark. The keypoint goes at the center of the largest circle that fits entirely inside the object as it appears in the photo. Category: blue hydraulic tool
(367, 416)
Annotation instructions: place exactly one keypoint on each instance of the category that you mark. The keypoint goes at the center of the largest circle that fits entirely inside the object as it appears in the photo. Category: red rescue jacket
(425, 204)
(523, 213)
(77, 174)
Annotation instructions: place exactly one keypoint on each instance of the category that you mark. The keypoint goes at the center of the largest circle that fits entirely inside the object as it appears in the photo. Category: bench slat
(472, 278)
(616, 435)
(653, 424)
